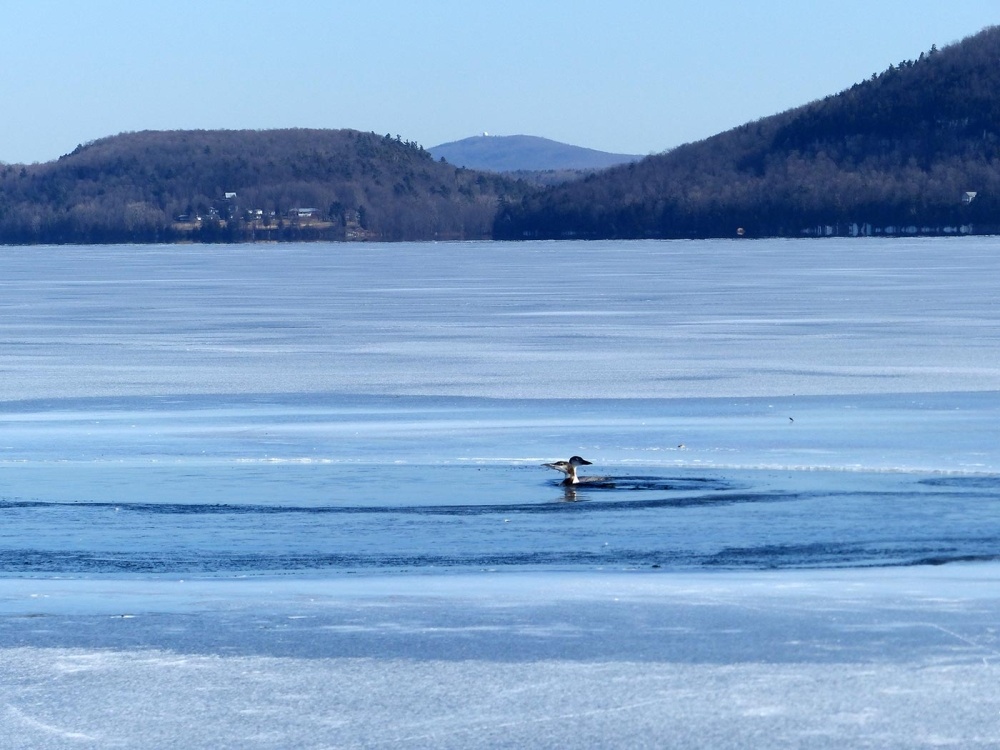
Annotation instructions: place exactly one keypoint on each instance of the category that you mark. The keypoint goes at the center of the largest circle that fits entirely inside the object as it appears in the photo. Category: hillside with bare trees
(913, 150)
(247, 185)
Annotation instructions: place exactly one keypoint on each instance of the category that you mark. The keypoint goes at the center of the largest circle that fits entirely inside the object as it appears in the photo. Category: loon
(569, 468)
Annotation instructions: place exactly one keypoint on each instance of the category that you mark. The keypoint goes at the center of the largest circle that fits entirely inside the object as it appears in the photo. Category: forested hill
(902, 152)
(245, 185)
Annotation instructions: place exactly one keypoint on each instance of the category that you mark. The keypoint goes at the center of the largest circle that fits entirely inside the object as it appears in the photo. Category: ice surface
(290, 496)
(538, 320)
(859, 658)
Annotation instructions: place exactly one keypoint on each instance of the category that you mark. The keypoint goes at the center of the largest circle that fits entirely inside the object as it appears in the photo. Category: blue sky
(627, 76)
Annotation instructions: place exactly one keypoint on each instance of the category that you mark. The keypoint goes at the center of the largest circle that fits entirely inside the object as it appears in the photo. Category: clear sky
(631, 76)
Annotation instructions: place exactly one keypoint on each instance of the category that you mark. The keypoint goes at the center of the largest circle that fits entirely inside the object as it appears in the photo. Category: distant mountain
(516, 153)
(913, 150)
(228, 185)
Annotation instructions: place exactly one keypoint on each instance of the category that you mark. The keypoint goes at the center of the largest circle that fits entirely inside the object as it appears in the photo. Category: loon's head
(569, 468)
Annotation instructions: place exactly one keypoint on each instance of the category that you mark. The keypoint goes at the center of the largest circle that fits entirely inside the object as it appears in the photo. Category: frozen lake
(579, 321)
(361, 427)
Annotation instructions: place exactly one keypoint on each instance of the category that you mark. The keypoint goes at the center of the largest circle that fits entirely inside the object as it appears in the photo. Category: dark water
(441, 518)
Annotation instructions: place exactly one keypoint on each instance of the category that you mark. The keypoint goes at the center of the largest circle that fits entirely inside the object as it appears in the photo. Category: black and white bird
(569, 468)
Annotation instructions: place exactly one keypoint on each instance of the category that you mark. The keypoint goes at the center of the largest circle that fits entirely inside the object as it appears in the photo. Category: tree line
(914, 149)
(901, 152)
(172, 186)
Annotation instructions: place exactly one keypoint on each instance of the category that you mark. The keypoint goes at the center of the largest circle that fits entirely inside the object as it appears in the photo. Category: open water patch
(973, 482)
(438, 521)
(853, 554)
